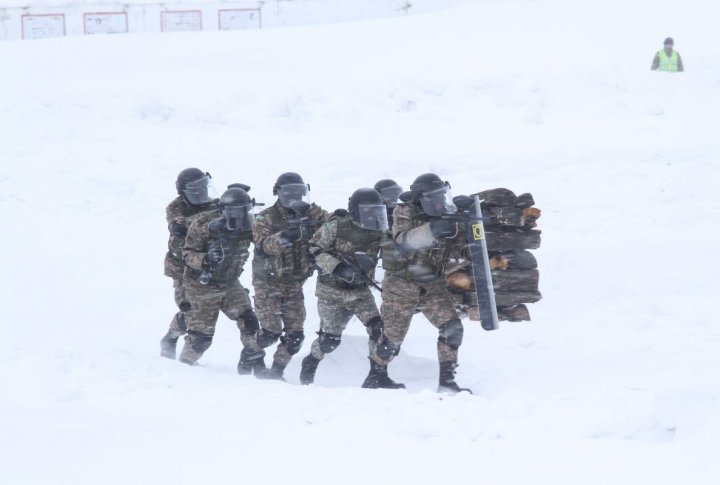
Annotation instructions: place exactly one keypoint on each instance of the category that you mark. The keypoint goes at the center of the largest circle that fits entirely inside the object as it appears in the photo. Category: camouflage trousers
(206, 302)
(280, 307)
(178, 326)
(402, 299)
(336, 308)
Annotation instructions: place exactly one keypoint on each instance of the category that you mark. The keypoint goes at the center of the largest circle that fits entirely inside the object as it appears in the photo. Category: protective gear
(290, 188)
(378, 378)
(246, 188)
(178, 230)
(266, 339)
(195, 186)
(293, 342)
(236, 207)
(199, 342)
(366, 208)
(443, 228)
(347, 273)
(274, 373)
(328, 341)
(251, 360)
(308, 369)
(389, 191)
(375, 325)
(215, 253)
(452, 333)
(184, 306)
(432, 194)
(668, 63)
(387, 349)
(447, 379)
(168, 345)
(251, 321)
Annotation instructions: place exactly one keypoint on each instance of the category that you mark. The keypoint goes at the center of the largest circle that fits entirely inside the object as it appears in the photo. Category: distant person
(667, 59)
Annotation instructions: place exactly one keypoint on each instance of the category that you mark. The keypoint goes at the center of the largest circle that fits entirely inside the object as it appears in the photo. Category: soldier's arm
(323, 240)
(317, 213)
(196, 244)
(655, 62)
(265, 238)
(174, 215)
(407, 237)
(680, 64)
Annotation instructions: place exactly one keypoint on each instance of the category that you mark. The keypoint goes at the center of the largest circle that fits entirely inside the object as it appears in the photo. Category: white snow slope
(614, 381)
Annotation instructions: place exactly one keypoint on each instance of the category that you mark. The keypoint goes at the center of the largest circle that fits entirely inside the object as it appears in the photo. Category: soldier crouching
(415, 280)
(216, 248)
(346, 251)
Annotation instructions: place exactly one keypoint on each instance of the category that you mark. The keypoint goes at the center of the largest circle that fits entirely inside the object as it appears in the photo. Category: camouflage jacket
(179, 211)
(273, 258)
(339, 238)
(209, 228)
(414, 253)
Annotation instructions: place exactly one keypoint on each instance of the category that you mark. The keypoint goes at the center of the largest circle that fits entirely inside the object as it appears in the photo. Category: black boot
(275, 372)
(378, 378)
(307, 372)
(168, 345)
(251, 361)
(447, 379)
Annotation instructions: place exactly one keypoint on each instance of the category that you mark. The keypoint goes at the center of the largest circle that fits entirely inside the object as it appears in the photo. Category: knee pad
(252, 324)
(199, 342)
(375, 325)
(452, 333)
(328, 341)
(266, 339)
(387, 349)
(293, 342)
(184, 306)
(181, 323)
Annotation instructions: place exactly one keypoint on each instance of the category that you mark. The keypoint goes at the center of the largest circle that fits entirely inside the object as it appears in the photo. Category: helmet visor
(239, 217)
(289, 193)
(200, 191)
(437, 202)
(390, 195)
(373, 217)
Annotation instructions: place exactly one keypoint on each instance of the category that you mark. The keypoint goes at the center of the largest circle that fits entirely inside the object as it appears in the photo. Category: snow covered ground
(615, 380)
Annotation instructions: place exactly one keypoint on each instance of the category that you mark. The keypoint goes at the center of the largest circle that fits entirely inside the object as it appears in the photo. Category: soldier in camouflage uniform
(390, 192)
(415, 279)
(346, 250)
(194, 197)
(281, 264)
(216, 248)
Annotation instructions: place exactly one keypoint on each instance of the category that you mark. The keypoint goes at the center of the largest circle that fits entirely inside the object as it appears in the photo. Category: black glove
(346, 273)
(365, 262)
(177, 229)
(251, 321)
(214, 254)
(291, 234)
(443, 228)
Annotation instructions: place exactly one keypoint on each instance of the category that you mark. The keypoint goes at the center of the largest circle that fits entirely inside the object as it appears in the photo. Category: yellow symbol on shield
(478, 233)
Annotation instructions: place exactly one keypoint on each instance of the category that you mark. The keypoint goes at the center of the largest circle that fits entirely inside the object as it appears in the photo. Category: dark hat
(669, 40)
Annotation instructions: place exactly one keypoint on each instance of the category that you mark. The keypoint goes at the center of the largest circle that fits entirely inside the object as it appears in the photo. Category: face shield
(289, 193)
(373, 217)
(239, 217)
(200, 191)
(390, 196)
(437, 202)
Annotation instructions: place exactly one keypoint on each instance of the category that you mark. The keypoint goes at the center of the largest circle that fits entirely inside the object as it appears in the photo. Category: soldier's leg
(178, 327)
(334, 317)
(268, 307)
(439, 309)
(236, 306)
(201, 319)
(365, 308)
(293, 317)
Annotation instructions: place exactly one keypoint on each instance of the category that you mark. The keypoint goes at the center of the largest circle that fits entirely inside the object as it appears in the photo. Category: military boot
(168, 345)
(274, 373)
(251, 361)
(307, 372)
(447, 379)
(378, 378)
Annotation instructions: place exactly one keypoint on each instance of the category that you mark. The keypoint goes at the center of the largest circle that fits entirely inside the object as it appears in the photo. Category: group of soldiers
(210, 243)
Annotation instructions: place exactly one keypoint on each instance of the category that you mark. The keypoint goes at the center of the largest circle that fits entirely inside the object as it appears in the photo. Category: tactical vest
(292, 264)
(423, 265)
(669, 64)
(349, 239)
(235, 250)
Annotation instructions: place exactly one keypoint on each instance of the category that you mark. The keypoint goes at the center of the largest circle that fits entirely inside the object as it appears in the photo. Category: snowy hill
(614, 381)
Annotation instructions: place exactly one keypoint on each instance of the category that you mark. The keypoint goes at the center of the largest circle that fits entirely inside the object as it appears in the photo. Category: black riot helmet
(367, 209)
(290, 188)
(236, 206)
(195, 186)
(389, 191)
(432, 194)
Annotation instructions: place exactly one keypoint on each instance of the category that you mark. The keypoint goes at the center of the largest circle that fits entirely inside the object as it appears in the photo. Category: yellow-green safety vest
(669, 64)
